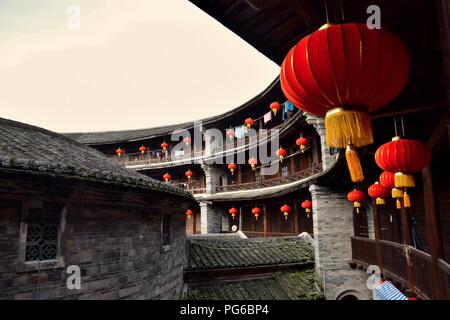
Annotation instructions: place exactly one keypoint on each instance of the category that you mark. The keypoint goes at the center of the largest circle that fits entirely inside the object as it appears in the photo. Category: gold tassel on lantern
(380, 201)
(407, 200)
(343, 126)
(357, 205)
(354, 165)
(397, 194)
(404, 180)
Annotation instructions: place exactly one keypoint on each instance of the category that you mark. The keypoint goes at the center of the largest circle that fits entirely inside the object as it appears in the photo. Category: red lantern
(233, 211)
(253, 162)
(275, 107)
(232, 167)
(231, 134)
(256, 212)
(167, 177)
(281, 153)
(189, 213)
(404, 157)
(307, 205)
(142, 149)
(189, 174)
(302, 142)
(356, 196)
(119, 152)
(285, 209)
(249, 122)
(187, 140)
(378, 192)
(344, 72)
(164, 146)
(387, 180)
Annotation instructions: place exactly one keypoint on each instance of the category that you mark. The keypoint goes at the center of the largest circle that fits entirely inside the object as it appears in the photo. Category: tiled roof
(222, 253)
(31, 149)
(297, 285)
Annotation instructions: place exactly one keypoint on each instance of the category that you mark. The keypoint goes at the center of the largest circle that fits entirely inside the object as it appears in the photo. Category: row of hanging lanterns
(285, 210)
(189, 174)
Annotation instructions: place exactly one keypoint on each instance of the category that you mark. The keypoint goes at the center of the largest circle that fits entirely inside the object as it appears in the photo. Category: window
(166, 230)
(258, 176)
(284, 171)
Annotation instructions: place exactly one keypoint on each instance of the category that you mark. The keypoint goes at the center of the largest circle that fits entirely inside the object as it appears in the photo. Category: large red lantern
(403, 157)
(275, 107)
(379, 193)
(253, 162)
(286, 209)
(302, 142)
(281, 153)
(249, 122)
(167, 177)
(356, 196)
(189, 174)
(307, 205)
(189, 213)
(232, 167)
(164, 146)
(256, 212)
(387, 180)
(344, 72)
(119, 152)
(233, 212)
(142, 149)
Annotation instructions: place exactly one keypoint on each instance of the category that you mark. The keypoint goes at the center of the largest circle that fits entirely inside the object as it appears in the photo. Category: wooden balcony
(254, 234)
(396, 258)
(296, 176)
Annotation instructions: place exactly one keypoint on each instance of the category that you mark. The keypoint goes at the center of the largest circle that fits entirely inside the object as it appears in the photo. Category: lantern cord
(395, 127)
(403, 127)
(326, 11)
(342, 10)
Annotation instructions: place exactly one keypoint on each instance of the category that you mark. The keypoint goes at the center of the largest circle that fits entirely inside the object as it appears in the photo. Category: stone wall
(112, 234)
(333, 228)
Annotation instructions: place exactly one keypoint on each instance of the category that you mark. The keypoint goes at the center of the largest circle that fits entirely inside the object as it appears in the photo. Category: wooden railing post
(407, 241)
(376, 224)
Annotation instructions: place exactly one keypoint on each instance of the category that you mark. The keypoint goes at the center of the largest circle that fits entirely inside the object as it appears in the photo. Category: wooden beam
(307, 13)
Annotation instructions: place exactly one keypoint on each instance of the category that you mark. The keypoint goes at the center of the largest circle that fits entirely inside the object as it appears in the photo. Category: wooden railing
(395, 258)
(299, 175)
(255, 234)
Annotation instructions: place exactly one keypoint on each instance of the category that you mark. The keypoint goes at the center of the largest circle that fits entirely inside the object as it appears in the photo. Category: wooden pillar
(194, 222)
(433, 232)
(407, 241)
(239, 174)
(377, 231)
(265, 222)
(292, 161)
(241, 219)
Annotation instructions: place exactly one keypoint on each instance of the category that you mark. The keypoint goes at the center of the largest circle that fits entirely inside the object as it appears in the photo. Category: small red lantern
(404, 157)
(233, 211)
(167, 177)
(253, 162)
(387, 180)
(275, 107)
(356, 196)
(232, 166)
(286, 209)
(307, 205)
(187, 140)
(378, 192)
(164, 146)
(142, 149)
(249, 122)
(189, 213)
(281, 153)
(119, 152)
(231, 134)
(189, 174)
(302, 142)
(256, 212)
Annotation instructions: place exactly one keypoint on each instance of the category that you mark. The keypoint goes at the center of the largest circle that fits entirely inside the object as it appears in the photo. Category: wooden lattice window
(284, 171)
(42, 233)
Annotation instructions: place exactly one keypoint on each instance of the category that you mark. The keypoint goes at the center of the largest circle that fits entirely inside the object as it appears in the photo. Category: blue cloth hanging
(289, 106)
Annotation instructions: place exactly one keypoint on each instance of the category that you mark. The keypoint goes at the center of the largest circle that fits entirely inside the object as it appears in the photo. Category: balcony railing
(299, 175)
(395, 258)
(255, 234)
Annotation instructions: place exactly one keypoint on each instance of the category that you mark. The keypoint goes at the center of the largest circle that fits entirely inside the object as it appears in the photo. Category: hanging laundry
(283, 113)
(387, 291)
(267, 117)
(289, 106)
(239, 131)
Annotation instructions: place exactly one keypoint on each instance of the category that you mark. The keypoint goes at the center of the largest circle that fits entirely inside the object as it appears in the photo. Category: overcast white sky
(132, 64)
